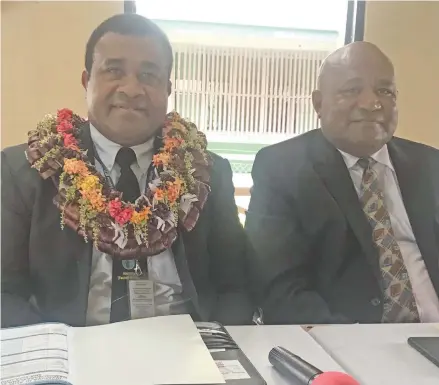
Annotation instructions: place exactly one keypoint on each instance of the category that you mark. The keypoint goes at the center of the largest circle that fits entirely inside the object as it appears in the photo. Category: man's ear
(84, 79)
(317, 101)
(169, 87)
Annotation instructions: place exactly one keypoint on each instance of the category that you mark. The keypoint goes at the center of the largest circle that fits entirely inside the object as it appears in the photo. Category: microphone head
(334, 378)
(292, 366)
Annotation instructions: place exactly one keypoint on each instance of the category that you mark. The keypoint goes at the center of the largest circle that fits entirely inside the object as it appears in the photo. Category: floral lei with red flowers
(90, 206)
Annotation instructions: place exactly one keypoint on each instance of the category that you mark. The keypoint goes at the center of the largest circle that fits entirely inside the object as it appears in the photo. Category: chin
(381, 134)
(368, 148)
(135, 138)
(362, 146)
(369, 132)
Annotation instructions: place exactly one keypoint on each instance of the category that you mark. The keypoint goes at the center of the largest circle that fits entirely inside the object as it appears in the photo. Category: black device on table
(427, 346)
(222, 347)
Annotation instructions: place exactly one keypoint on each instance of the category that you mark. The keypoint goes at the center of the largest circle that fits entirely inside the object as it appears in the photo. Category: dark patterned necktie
(399, 302)
(128, 185)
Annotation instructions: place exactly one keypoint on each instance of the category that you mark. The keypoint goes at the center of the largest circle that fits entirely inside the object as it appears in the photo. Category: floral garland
(88, 204)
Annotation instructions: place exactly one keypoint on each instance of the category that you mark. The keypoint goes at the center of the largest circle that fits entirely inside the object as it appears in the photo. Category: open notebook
(160, 350)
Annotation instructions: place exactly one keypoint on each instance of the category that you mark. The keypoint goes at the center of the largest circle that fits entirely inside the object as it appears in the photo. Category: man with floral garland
(125, 215)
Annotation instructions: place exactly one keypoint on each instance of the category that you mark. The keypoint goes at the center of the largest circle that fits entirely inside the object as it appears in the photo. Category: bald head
(355, 99)
(351, 55)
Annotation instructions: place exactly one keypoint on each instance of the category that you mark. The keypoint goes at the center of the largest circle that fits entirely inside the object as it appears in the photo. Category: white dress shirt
(423, 291)
(161, 268)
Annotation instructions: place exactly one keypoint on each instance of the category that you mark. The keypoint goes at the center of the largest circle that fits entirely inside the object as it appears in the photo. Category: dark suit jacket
(46, 270)
(314, 259)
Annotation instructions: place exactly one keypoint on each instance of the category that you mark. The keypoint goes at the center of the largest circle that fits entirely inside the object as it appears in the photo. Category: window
(247, 91)
(244, 74)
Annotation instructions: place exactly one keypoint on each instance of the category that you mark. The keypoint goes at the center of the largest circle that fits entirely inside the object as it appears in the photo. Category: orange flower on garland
(97, 201)
(173, 191)
(172, 143)
(75, 166)
(141, 216)
(161, 159)
(91, 190)
(159, 195)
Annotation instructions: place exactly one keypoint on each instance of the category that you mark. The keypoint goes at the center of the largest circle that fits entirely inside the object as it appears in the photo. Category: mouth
(368, 121)
(138, 110)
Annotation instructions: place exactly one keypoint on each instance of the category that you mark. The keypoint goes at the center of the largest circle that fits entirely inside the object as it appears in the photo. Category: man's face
(128, 88)
(357, 103)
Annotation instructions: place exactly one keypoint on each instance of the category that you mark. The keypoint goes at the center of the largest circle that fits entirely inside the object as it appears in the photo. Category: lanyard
(104, 169)
(107, 172)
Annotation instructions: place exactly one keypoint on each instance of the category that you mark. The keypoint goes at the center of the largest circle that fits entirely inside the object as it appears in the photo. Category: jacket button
(375, 301)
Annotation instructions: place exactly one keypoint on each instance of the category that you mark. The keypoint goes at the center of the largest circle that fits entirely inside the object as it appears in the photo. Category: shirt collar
(107, 150)
(381, 156)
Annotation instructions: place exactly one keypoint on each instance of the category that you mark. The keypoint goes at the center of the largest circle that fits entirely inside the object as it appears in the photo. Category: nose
(131, 87)
(368, 99)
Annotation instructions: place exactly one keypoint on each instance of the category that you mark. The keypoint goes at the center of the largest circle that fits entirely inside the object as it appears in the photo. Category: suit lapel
(86, 143)
(76, 254)
(181, 263)
(82, 249)
(417, 193)
(332, 170)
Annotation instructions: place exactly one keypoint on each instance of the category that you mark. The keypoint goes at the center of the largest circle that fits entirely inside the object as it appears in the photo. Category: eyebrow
(381, 82)
(386, 82)
(150, 65)
(110, 62)
(118, 62)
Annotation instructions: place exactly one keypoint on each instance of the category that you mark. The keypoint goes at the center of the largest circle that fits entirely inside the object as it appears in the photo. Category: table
(257, 341)
(380, 354)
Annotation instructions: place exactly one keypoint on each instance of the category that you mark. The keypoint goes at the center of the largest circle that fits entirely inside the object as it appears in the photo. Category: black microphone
(301, 372)
(293, 366)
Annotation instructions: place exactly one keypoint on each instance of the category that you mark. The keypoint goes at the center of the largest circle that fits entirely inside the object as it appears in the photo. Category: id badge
(141, 296)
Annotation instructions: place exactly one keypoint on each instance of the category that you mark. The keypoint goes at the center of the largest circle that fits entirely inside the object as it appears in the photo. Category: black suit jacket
(314, 259)
(46, 270)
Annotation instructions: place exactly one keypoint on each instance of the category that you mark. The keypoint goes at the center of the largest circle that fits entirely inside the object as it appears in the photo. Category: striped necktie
(399, 302)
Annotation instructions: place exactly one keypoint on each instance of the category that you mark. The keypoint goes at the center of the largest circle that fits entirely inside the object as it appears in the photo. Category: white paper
(232, 370)
(379, 353)
(159, 350)
(141, 296)
(34, 353)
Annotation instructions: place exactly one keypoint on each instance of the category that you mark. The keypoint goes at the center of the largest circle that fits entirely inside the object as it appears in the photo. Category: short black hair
(129, 24)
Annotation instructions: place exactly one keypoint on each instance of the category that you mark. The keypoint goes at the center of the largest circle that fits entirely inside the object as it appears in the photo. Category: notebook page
(33, 354)
(158, 350)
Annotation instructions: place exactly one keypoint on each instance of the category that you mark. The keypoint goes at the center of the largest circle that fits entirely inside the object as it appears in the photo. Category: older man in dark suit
(344, 220)
(52, 274)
